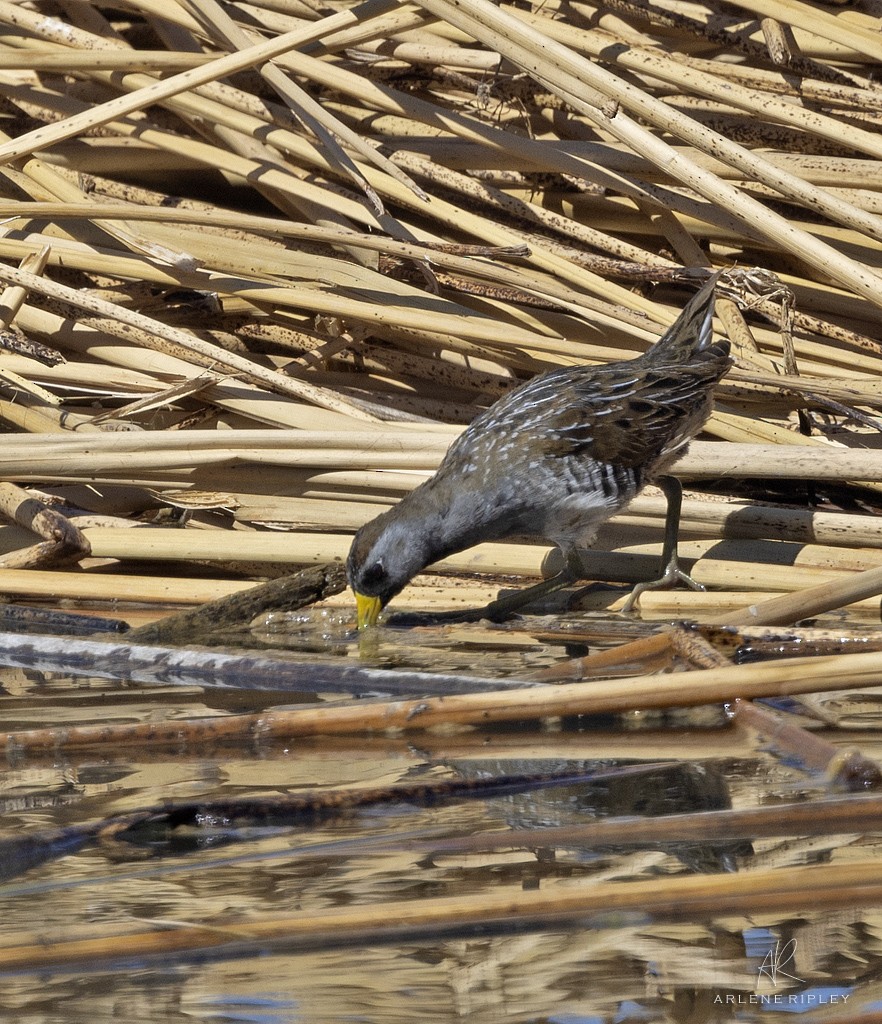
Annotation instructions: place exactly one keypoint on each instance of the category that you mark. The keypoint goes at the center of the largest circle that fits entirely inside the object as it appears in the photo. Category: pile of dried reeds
(263, 260)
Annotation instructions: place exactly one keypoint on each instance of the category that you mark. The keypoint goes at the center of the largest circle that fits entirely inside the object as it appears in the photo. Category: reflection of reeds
(783, 677)
(597, 904)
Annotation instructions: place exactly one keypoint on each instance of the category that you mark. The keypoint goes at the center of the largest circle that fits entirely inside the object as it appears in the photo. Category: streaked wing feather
(634, 425)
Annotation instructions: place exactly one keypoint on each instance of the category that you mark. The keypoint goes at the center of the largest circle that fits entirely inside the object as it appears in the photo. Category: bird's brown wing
(633, 419)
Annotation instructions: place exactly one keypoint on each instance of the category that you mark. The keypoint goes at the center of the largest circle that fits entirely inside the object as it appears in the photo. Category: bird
(555, 458)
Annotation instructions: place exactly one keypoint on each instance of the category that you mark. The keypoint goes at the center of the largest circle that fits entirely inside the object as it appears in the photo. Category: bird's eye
(374, 575)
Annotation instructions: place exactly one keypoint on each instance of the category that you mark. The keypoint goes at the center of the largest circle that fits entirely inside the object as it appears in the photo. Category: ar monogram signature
(776, 959)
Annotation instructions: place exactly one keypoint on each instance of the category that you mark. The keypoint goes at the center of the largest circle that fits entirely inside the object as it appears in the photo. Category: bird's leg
(501, 608)
(671, 571)
(511, 603)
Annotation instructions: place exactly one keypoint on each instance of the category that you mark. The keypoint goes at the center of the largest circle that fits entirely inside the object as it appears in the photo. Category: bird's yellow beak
(369, 609)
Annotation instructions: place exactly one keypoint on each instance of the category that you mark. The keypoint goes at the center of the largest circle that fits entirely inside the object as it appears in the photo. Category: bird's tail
(692, 331)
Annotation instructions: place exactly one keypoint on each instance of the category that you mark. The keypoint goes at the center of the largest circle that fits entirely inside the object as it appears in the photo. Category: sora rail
(554, 458)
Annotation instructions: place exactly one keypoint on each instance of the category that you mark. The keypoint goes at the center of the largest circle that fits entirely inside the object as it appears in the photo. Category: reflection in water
(614, 967)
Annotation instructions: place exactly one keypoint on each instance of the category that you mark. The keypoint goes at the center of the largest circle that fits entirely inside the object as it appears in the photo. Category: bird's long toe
(672, 576)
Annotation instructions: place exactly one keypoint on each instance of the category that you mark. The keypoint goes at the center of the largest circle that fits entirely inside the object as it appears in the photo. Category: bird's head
(385, 555)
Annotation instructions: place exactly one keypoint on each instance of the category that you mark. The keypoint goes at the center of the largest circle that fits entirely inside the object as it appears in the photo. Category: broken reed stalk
(17, 505)
(799, 888)
(151, 544)
(726, 518)
(846, 769)
(494, 705)
(220, 67)
(285, 594)
(690, 80)
(46, 585)
(856, 37)
(155, 334)
(776, 611)
(380, 446)
(805, 603)
(597, 95)
(455, 256)
(288, 56)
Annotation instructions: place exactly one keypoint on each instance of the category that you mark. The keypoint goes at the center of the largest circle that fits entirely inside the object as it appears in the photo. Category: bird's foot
(672, 575)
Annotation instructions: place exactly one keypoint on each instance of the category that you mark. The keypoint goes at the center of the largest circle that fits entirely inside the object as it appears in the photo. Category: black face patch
(374, 577)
